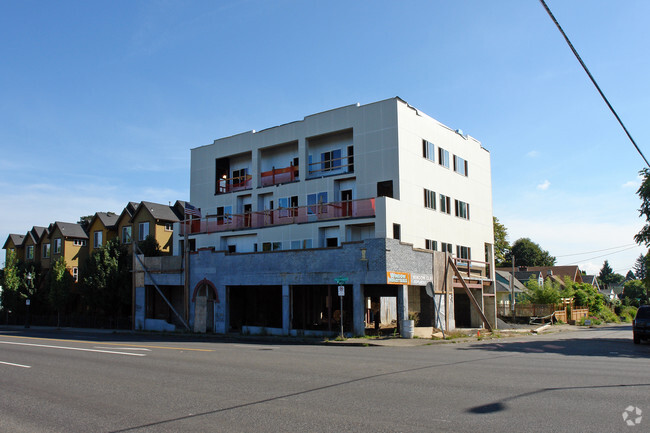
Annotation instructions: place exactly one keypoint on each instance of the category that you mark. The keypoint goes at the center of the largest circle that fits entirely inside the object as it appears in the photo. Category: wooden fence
(561, 312)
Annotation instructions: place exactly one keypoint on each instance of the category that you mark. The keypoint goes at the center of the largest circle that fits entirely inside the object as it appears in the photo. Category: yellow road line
(108, 343)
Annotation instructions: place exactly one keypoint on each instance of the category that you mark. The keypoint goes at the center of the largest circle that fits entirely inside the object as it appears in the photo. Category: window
(30, 252)
(288, 206)
(462, 209)
(239, 176)
(97, 239)
(266, 246)
(446, 248)
(330, 160)
(332, 242)
(445, 204)
(295, 245)
(57, 246)
(397, 231)
(277, 246)
(385, 188)
(316, 203)
(307, 243)
(143, 231)
(428, 150)
(169, 227)
(460, 165)
(224, 214)
(232, 248)
(443, 157)
(75, 274)
(463, 252)
(429, 199)
(79, 242)
(46, 251)
(126, 235)
(431, 245)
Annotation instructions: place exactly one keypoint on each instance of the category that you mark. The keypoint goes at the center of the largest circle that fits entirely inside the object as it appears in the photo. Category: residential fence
(562, 312)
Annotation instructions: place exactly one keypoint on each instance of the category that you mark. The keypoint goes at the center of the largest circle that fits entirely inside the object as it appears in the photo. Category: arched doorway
(204, 297)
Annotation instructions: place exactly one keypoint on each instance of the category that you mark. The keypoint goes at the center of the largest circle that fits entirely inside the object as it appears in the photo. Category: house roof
(571, 271)
(36, 233)
(16, 239)
(160, 211)
(71, 230)
(503, 282)
(108, 219)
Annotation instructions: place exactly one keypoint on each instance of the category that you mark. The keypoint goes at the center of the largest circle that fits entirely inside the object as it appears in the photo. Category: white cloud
(533, 154)
(633, 183)
(544, 186)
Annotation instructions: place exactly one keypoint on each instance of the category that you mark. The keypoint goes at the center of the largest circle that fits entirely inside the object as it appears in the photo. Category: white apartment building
(372, 197)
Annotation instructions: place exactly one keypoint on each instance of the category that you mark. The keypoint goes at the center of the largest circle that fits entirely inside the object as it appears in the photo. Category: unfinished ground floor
(361, 287)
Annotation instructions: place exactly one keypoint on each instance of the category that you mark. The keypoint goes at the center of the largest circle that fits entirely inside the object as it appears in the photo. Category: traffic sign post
(341, 289)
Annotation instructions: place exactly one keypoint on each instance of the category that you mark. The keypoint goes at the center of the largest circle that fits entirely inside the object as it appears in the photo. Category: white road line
(124, 348)
(72, 348)
(15, 365)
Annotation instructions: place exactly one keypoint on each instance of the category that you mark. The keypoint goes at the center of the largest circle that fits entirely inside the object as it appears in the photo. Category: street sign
(341, 290)
(341, 280)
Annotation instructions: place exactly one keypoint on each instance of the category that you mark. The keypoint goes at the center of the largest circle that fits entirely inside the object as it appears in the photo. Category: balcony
(277, 176)
(232, 184)
(277, 217)
(328, 167)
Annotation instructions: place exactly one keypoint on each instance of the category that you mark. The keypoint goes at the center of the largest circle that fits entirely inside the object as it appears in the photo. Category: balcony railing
(238, 183)
(279, 175)
(277, 217)
(331, 166)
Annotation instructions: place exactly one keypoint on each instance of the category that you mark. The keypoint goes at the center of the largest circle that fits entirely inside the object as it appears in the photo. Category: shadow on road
(592, 342)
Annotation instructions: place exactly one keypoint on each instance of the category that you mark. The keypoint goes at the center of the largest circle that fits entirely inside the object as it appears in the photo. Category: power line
(603, 255)
(566, 38)
(595, 251)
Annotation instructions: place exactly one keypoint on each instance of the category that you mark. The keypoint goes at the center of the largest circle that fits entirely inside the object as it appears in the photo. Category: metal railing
(283, 216)
(277, 176)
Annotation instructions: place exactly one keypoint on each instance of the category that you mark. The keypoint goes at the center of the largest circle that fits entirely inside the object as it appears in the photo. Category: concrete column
(402, 305)
(303, 158)
(358, 310)
(140, 307)
(221, 319)
(286, 310)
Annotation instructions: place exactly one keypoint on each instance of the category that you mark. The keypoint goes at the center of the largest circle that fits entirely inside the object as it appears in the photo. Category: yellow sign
(401, 278)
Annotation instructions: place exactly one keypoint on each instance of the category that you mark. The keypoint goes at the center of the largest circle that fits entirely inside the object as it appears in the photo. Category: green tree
(547, 293)
(149, 247)
(529, 253)
(608, 277)
(635, 293)
(106, 286)
(640, 267)
(630, 276)
(60, 287)
(501, 244)
(11, 282)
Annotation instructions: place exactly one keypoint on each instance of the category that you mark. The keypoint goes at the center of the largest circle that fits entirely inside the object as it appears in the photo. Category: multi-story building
(373, 198)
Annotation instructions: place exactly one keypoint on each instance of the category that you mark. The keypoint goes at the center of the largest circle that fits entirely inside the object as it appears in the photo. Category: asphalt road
(572, 381)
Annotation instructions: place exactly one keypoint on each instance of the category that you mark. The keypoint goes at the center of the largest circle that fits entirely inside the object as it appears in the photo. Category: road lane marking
(15, 365)
(108, 343)
(124, 348)
(48, 346)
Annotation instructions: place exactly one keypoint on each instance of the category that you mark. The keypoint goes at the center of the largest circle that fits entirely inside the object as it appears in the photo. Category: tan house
(32, 245)
(102, 228)
(124, 225)
(157, 220)
(70, 241)
(15, 243)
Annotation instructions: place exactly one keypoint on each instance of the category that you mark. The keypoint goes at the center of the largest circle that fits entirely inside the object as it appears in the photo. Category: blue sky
(101, 102)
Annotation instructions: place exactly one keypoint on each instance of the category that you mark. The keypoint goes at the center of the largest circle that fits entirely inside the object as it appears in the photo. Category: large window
(429, 199)
(446, 248)
(428, 150)
(224, 214)
(463, 252)
(462, 209)
(445, 204)
(317, 203)
(288, 206)
(30, 252)
(330, 160)
(57, 246)
(46, 251)
(460, 165)
(443, 157)
(143, 231)
(126, 235)
(97, 239)
(431, 245)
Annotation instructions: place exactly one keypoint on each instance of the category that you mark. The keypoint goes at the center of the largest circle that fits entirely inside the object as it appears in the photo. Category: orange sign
(401, 278)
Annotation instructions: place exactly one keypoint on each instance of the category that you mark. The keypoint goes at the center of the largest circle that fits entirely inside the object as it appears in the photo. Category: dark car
(641, 324)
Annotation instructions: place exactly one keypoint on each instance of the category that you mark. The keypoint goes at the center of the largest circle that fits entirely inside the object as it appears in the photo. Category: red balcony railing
(277, 217)
(279, 175)
(239, 183)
